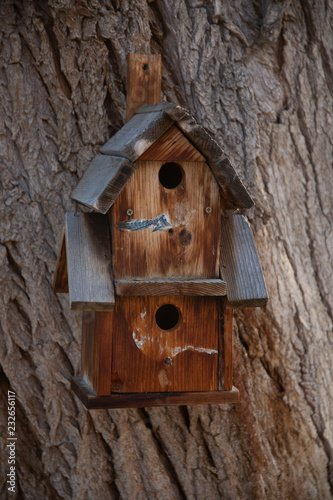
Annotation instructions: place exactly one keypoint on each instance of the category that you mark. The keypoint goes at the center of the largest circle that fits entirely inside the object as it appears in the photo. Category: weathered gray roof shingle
(109, 172)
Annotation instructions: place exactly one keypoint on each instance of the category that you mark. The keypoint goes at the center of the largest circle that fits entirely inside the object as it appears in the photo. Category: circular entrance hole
(170, 175)
(168, 317)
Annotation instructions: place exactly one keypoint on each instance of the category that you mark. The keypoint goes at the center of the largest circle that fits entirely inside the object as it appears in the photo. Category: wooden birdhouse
(158, 265)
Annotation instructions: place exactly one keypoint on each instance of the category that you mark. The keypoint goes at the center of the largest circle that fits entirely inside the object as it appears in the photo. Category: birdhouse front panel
(166, 222)
(166, 344)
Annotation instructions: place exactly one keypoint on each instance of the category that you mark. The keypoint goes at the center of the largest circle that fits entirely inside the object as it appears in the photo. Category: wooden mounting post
(143, 81)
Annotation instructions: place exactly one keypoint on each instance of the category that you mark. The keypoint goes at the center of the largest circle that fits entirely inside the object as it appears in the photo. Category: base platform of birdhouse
(140, 400)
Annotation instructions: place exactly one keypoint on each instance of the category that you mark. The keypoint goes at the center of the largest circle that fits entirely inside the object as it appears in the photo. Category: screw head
(208, 210)
(129, 211)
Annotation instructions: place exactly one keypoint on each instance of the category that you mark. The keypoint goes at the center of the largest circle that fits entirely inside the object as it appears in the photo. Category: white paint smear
(178, 350)
(141, 340)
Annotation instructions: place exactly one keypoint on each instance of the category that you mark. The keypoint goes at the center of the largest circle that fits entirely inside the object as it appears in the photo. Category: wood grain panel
(228, 347)
(190, 249)
(149, 359)
(60, 282)
(240, 266)
(172, 146)
(142, 287)
(92, 401)
(89, 262)
(96, 355)
(89, 350)
(104, 338)
(143, 81)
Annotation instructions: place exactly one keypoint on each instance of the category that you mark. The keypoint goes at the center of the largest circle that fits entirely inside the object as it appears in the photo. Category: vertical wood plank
(96, 356)
(89, 267)
(240, 265)
(60, 282)
(143, 81)
(104, 330)
(89, 354)
(228, 347)
(220, 372)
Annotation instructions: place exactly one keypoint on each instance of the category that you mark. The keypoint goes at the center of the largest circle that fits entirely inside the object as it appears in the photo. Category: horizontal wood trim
(91, 306)
(92, 401)
(209, 287)
(60, 282)
(88, 250)
(239, 264)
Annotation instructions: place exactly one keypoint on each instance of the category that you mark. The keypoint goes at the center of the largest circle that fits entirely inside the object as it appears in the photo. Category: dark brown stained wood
(172, 146)
(146, 358)
(104, 339)
(228, 348)
(103, 181)
(142, 287)
(143, 81)
(96, 355)
(60, 282)
(239, 264)
(190, 248)
(92, 401)
(89, 263)
(232, 188)
(134, 138)
(220, 370)
(89, 349)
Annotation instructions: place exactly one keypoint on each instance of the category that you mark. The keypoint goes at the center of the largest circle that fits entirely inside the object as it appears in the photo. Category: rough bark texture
(259, 76)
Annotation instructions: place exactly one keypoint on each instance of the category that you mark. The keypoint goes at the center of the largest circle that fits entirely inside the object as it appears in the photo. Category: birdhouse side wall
(96, 351)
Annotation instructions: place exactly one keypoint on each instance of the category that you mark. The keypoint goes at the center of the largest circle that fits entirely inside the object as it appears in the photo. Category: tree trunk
(259, 76)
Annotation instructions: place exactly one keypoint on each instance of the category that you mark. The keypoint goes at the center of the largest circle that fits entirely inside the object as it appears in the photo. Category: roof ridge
(108, 178)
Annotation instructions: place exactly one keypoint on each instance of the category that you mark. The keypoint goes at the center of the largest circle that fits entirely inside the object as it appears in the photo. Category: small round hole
(145, 67)
(170, 175)
(170, 232)
(168, 317)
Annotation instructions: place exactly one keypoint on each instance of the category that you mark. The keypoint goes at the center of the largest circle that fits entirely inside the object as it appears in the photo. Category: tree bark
(259, 76)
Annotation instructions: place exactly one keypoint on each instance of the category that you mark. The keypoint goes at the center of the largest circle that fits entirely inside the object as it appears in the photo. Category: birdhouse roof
(109, 171)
